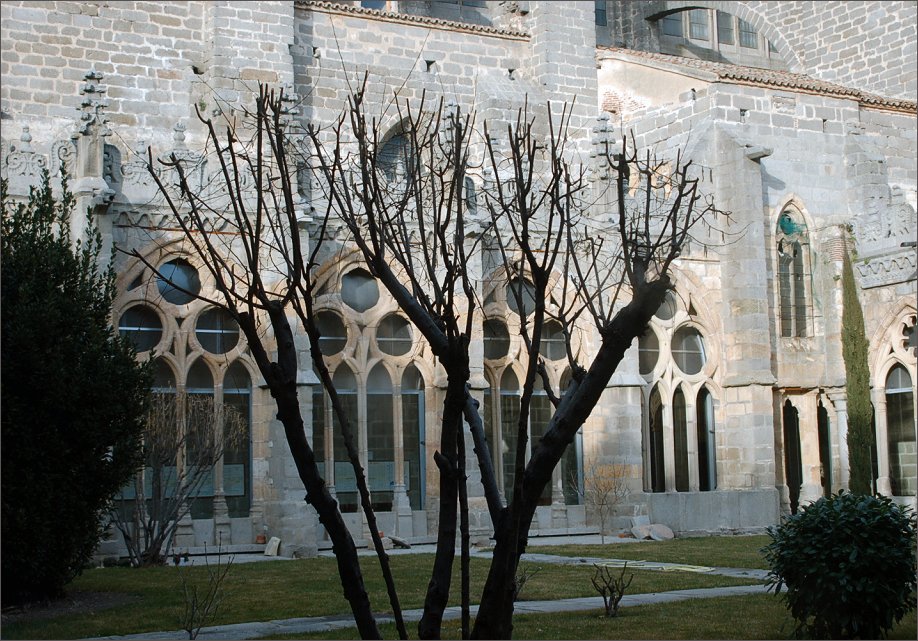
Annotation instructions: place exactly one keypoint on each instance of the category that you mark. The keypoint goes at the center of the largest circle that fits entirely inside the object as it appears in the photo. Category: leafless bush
(610, 587)
(522, 576)
(202, 600)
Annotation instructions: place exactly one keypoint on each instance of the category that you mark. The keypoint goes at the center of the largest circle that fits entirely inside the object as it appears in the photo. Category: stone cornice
(886, 270)
(401, 18)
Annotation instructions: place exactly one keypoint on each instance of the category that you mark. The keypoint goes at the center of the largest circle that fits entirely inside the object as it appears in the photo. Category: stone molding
(886, 270)
(401, 18)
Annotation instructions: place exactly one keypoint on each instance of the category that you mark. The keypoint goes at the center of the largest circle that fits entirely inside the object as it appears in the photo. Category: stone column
(811, 488)
(669, 447)
(840, 401)
(884, 486)
(222, 529)
(691, 445)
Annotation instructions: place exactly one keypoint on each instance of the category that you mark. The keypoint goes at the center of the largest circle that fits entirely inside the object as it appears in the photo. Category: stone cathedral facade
(729, 413)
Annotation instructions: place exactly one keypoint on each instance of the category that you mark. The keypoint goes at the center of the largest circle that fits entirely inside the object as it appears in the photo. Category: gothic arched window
(900, 425)
(793, 274)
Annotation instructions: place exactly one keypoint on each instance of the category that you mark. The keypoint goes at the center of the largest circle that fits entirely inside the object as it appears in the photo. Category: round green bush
(848, 563)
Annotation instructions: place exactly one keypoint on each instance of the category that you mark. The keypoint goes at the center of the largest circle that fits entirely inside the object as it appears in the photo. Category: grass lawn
(720, 551)
(309, 587)
(736, 617)
(150, 599)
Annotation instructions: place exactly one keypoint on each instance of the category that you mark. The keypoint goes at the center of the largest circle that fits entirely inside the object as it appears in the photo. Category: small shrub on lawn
(848, 563)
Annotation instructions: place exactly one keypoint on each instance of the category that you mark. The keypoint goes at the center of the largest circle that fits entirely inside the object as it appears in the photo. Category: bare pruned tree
(563, 261)
(604, 487)
(408, 214)
(616, 280)
(183, 438)
(244, 226)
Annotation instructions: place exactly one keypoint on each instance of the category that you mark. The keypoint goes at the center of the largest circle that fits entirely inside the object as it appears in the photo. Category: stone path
(271, 629)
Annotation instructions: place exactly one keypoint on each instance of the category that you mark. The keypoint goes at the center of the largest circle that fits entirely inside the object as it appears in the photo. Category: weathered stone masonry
(811, 145)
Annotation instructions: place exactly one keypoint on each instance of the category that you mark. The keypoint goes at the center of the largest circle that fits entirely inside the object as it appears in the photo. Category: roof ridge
(758, 76)
(392, 16)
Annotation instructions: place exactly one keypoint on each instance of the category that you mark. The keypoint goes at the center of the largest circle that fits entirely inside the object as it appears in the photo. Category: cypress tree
(857, 385)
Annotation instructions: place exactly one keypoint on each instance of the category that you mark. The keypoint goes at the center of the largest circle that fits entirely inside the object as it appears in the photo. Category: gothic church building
(729, 413)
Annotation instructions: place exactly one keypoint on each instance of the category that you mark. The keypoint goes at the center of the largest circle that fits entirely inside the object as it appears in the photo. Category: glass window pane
(668, 307)
(707, 464)
(333, 333)
(380, 438)
(413, 435)
(571, 474)
(345, 480)
(217, 331)
(680, 441)
(748, 36)
(318, 427)
(671, 25)
(237, 379)
(521, 296)
(898, 380)
(359, 290)
(508, 382)
(698, 24)
(539, 416)
(600, 12)
(412, 428)
(648, 352)
(200, 380)
(163, 376)
(395, 158)
(379, 381)
(509, 416)
(900, 418)
(799, 292)
(237, 464)
(655, 446)
(725, 28)
(688, 350)
(496, 339)
(393, 336)
(412, 379)
(179, 283)
(343, 380)
(141, 325)
(554, 345)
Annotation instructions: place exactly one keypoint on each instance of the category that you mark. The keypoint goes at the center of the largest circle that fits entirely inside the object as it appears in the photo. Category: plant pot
(261, 539)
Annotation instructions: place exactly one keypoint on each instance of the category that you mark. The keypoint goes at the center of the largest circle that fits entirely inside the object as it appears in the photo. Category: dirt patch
(77, 602)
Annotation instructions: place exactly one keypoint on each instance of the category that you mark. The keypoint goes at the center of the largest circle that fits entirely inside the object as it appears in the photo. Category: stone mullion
(884, 486)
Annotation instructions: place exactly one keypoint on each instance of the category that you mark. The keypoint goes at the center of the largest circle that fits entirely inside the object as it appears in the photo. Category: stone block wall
(145, 50)
(815, 37)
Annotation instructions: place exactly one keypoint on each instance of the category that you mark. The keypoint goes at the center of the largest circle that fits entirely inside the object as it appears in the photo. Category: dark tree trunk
(281, 379)
(495, 614)
(447, 462)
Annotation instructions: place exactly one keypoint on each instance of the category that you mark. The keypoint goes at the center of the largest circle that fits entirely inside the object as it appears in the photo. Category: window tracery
(198, 351)
(679, 405)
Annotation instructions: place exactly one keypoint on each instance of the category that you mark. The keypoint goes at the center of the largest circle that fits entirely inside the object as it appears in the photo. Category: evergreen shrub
(848, 563)
(74, 396)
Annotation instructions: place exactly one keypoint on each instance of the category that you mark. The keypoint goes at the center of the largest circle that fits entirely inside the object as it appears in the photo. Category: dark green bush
(848, 563)
(73, 395)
